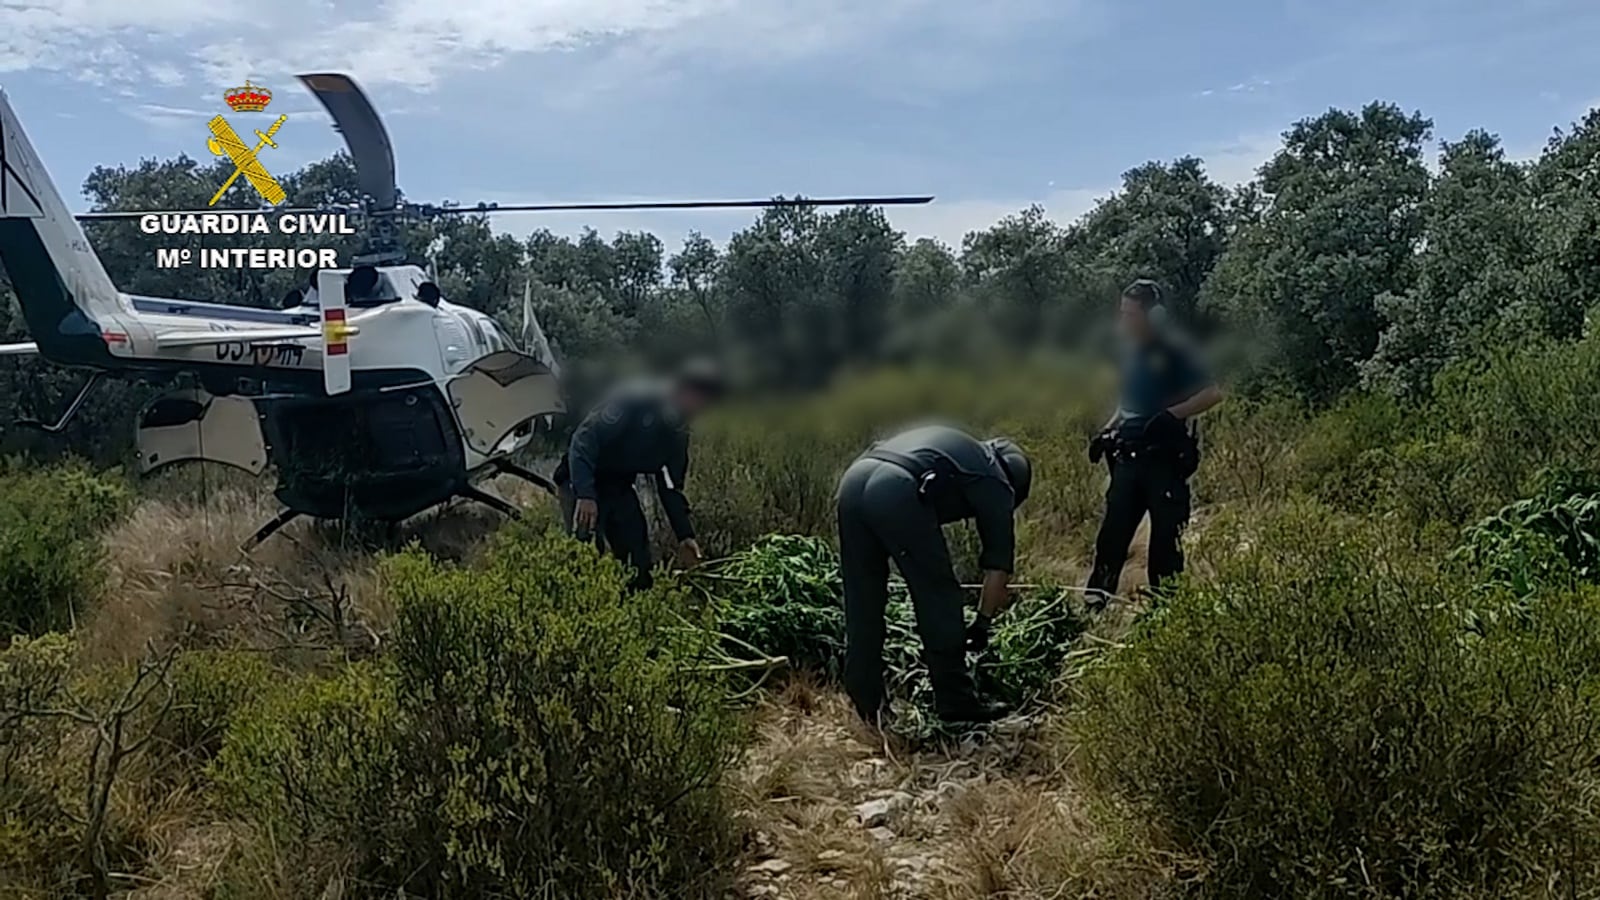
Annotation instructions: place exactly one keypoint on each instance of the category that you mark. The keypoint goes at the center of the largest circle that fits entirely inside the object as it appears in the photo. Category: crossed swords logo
(225, 141)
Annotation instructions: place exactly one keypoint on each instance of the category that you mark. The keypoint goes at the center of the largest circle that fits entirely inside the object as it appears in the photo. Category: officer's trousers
(621, 526)
(1142, 483)
(882, 515)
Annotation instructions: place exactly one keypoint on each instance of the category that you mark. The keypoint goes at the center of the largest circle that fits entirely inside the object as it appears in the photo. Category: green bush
(209, 688)
(1316, 722)
(534, 732)
(49, 559)
(1548, 540)
(562, 737)
(37, 839)
(312, 762)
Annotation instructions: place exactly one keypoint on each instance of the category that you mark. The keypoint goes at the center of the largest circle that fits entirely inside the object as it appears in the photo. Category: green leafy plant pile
(1549, 539)
(784, 597)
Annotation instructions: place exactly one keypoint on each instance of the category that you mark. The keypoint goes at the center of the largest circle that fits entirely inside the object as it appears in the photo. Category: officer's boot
(954, 697)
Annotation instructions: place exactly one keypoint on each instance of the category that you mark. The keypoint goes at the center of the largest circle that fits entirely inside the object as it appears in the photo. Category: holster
(1182, 452)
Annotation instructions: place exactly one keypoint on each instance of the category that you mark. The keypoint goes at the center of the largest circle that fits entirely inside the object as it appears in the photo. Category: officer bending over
(642, 428)
(892, 502)
(1149, 444)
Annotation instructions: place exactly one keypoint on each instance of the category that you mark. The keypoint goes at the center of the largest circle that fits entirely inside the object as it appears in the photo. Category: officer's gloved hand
(1100, 446)
(978, 633)
(1163, 427)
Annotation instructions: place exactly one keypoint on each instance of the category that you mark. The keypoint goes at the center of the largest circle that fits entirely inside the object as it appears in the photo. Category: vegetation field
(1378, 678)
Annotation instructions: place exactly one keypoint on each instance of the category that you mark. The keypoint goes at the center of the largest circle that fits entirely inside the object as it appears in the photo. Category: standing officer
(640, 429)
(892, 502)
(1151, 449)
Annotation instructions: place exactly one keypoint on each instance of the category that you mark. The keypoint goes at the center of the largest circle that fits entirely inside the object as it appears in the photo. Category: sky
(990, 106)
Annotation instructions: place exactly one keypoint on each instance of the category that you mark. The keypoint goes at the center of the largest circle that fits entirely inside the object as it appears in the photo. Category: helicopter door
(193, 425)
(500, 393)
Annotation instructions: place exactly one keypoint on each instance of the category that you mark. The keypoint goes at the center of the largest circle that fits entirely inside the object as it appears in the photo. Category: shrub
(36, 835)
(562, 737)
(534, 732)
(1545, 541)
(210, 687)
(49, 561)
(1316, 723)
(312, 762)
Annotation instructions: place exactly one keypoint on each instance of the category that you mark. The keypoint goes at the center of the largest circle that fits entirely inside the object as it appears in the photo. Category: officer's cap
(1146, 292)
(703, 376)
(1019, 471)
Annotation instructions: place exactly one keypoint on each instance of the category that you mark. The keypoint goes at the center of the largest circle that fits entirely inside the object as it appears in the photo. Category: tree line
(1346, 263)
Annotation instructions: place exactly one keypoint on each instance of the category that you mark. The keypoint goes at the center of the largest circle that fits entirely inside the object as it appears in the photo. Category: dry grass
(177, 573)
(982, 818)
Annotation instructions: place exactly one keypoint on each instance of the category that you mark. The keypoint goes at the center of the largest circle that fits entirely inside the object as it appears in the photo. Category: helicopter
(369, 393)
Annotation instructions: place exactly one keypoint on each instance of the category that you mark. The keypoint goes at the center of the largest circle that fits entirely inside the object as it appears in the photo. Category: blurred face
(1132, 318)
(691, 402)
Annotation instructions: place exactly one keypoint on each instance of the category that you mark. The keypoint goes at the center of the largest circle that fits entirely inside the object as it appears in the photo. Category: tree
(858, 252)
(694, 271)
(1479, 240)
(1168, 222)
(1020, 270)
(1341, 226)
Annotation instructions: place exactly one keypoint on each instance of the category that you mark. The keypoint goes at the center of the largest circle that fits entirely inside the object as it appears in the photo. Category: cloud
(418, 43)
(1237, 161)
(165, 116)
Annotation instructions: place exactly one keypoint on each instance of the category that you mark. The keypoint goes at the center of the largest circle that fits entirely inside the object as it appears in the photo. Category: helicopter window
(366, 287)
(497, 338)
(476, 331)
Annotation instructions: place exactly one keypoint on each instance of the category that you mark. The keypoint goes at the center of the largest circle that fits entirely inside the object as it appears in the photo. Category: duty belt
(923, 473)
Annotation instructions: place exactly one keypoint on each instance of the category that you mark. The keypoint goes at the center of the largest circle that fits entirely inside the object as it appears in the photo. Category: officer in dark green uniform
(1149, 442)
(641, 429)
(892, 502)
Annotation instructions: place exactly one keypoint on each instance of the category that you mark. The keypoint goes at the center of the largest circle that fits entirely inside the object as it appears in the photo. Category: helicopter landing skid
(487, 499)
(269, 529)
(72, 409)
(506, 467)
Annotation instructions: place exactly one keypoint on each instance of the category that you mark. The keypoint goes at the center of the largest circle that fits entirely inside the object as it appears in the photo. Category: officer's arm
(669, 486)
(1196, 386)
(1204, 399)
(600, 427)
(991, 500)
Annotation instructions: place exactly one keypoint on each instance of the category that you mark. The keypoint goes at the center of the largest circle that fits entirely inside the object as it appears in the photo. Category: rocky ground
(838, 811)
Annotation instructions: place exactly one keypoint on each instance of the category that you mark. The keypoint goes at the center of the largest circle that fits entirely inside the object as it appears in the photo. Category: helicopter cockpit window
(497, 338)
(476, 331)
(366, 287)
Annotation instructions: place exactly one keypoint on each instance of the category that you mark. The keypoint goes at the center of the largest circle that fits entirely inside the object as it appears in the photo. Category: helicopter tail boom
(66, 296)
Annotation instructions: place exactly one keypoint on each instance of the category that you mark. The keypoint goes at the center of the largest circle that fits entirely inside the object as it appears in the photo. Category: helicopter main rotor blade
(684, 204)
(117, 214)
(688, 205)
(355, 118)
(424, 211)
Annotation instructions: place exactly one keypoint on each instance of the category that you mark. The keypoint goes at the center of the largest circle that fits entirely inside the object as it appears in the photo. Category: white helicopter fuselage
(274, 379)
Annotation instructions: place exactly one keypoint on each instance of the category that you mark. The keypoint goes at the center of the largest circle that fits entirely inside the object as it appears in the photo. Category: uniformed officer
(642, 428)
(892, 502)
(1149, 442)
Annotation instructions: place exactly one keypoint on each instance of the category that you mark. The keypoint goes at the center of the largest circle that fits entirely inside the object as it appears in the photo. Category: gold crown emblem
(249, 98)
